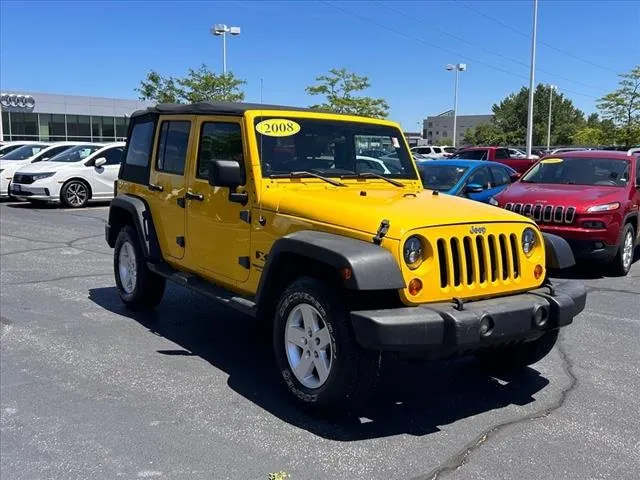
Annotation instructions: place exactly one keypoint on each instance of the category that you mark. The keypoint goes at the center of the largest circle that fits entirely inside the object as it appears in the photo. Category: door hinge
(245, 216)
(180, 241)
(244, 261)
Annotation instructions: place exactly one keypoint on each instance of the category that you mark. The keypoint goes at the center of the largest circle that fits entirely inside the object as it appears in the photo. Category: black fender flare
(138, 210)
(372, 267)
(558, 253)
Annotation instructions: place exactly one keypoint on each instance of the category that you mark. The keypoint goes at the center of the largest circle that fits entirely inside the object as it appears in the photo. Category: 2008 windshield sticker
(278, 127)
(551, 160)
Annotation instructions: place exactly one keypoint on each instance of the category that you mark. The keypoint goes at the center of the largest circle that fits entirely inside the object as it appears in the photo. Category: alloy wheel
(127, 268)
(76, 194)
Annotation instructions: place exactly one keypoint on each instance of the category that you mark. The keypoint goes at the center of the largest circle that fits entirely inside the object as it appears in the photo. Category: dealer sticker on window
(552, 160)
(396, 143)
(278, 127)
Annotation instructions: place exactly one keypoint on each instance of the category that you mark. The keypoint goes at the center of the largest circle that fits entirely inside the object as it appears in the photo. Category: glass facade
(63, 127)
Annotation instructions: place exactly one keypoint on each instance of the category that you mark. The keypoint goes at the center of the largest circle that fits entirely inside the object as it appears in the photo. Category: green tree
(589, 136)
(199, 85)
(339, 87)
(485, 134)
(622, 107)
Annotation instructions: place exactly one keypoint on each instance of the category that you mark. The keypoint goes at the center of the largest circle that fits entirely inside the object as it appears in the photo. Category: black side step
(194, 282)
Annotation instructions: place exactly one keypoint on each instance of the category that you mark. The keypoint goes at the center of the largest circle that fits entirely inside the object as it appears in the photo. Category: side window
(114, 156)
(219, 141)
(172, 146)
(481, 177)
(139, 148)
(502, 153)
(500, 176)
(474, 155)
(52, 152)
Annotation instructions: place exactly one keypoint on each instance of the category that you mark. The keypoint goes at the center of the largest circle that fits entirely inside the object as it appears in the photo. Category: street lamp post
(221, 29)
(532, 78)
(460, 67)
(551, 89)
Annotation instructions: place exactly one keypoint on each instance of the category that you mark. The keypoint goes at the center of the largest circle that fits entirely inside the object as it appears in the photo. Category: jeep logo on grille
(478, 230)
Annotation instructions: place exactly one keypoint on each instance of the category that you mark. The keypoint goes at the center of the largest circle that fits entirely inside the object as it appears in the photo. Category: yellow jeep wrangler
(318, 225)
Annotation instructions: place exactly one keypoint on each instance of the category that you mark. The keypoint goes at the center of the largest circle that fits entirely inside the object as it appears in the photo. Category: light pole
(460, 67)
(221, 29)
(551, 89)
(532, 79)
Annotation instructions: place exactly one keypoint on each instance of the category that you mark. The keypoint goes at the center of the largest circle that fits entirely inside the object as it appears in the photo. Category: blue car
(474, 179)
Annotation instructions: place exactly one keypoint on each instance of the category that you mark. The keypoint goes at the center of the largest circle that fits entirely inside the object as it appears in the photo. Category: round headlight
(528, 240)
(413, 252)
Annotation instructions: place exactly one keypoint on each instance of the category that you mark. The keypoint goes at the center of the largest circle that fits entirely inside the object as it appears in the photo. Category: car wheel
(138, 287)
(74, 194)
(519, 356)
(624, 258)
(318, 357)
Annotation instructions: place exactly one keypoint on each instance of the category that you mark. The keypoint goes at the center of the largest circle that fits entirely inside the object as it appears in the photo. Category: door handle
(155, 188)
(193, 196)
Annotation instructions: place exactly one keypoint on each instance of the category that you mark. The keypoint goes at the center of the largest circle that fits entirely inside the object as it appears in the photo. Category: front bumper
(26, 192)
(596, 250)
(441, 330)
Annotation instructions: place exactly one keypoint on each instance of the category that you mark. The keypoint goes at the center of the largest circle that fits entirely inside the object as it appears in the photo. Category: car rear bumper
(441, 329)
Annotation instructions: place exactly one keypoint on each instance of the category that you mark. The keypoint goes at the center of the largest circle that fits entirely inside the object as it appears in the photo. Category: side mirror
(228, 173)
(40, 159)
(515, 176)
(473, 188)
(99, 162)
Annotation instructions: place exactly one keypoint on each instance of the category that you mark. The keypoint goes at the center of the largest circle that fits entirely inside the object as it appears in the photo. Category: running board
(194, 282)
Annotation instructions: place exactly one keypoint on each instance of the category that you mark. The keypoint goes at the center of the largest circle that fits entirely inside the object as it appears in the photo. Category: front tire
(520, 356)
(138, 287)
(320, 361)
(75, 194)
(624, 258)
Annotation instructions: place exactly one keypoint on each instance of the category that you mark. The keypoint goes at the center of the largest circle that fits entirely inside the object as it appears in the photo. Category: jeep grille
(544, 213)
(470, 261)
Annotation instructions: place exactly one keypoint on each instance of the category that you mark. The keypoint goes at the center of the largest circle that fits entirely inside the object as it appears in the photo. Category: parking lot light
(221, 30)
(460, 67)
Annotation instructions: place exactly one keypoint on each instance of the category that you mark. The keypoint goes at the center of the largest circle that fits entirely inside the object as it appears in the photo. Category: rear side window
(473, 155)
(502, 153)
(500, 176)
(114, 156)
(172, 146)
(140, 142)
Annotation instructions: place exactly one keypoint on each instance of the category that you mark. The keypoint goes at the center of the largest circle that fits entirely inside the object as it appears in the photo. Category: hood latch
(382, 231)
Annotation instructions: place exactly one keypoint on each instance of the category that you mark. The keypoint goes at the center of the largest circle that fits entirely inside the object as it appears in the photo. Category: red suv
(496, 154)
(591, 199)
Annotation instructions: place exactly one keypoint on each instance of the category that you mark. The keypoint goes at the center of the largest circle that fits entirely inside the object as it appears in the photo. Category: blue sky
(106, 48)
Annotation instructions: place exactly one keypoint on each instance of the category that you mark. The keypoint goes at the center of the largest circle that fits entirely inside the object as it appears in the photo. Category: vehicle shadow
(55, 206)
(589, 271)
(414, 398)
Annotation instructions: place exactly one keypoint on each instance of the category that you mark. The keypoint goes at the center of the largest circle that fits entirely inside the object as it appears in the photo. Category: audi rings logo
(18, 101)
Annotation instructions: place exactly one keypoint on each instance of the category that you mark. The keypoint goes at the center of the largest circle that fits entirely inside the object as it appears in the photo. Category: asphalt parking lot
(89, 390)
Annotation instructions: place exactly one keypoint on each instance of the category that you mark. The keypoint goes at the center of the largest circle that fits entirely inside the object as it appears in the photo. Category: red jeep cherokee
(591, 199)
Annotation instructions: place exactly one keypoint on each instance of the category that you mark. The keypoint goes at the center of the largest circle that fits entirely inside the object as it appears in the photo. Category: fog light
(415, 285)
(537, 272)
(599, 245)
(540, 316)
(486, 326)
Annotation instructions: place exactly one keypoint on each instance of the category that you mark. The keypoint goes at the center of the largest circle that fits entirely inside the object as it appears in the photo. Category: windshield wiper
(304, 173)
(381, 177)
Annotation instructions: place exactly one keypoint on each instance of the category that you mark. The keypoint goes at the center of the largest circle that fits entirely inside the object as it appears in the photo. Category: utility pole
(551, 89)
(532, 73)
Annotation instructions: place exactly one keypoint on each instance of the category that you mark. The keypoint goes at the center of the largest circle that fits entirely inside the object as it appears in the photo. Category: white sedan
(25, 155)
(82, 173)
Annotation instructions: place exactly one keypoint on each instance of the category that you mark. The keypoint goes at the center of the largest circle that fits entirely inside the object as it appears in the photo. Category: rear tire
(520, 356)
(624, 258)
(319, 359)
(138, 287)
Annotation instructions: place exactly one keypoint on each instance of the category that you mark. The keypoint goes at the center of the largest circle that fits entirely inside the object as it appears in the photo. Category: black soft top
(212, 108)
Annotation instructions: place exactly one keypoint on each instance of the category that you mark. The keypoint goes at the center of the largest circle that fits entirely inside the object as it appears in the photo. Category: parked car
(495, 154)
(30, 153)
(634, 151)
(517, 153)
(388, 165)
(591, 199)
(338, 266)
(430, 151)
(473, 179)
(11, 146)
(568, 149)
(82, 173)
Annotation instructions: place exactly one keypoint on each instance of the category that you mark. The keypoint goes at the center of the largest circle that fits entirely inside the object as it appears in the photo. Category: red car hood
(580, 196)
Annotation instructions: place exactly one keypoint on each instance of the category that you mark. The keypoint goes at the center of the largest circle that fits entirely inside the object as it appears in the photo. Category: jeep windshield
(580, 171)
(332, 149)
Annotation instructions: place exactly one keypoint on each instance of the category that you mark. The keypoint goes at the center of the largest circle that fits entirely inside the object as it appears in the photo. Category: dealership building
(51, 117)
(440, 127)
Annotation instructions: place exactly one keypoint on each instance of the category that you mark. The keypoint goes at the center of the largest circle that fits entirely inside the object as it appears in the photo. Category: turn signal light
(537, 272)
(346, 273)
(415, 286)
